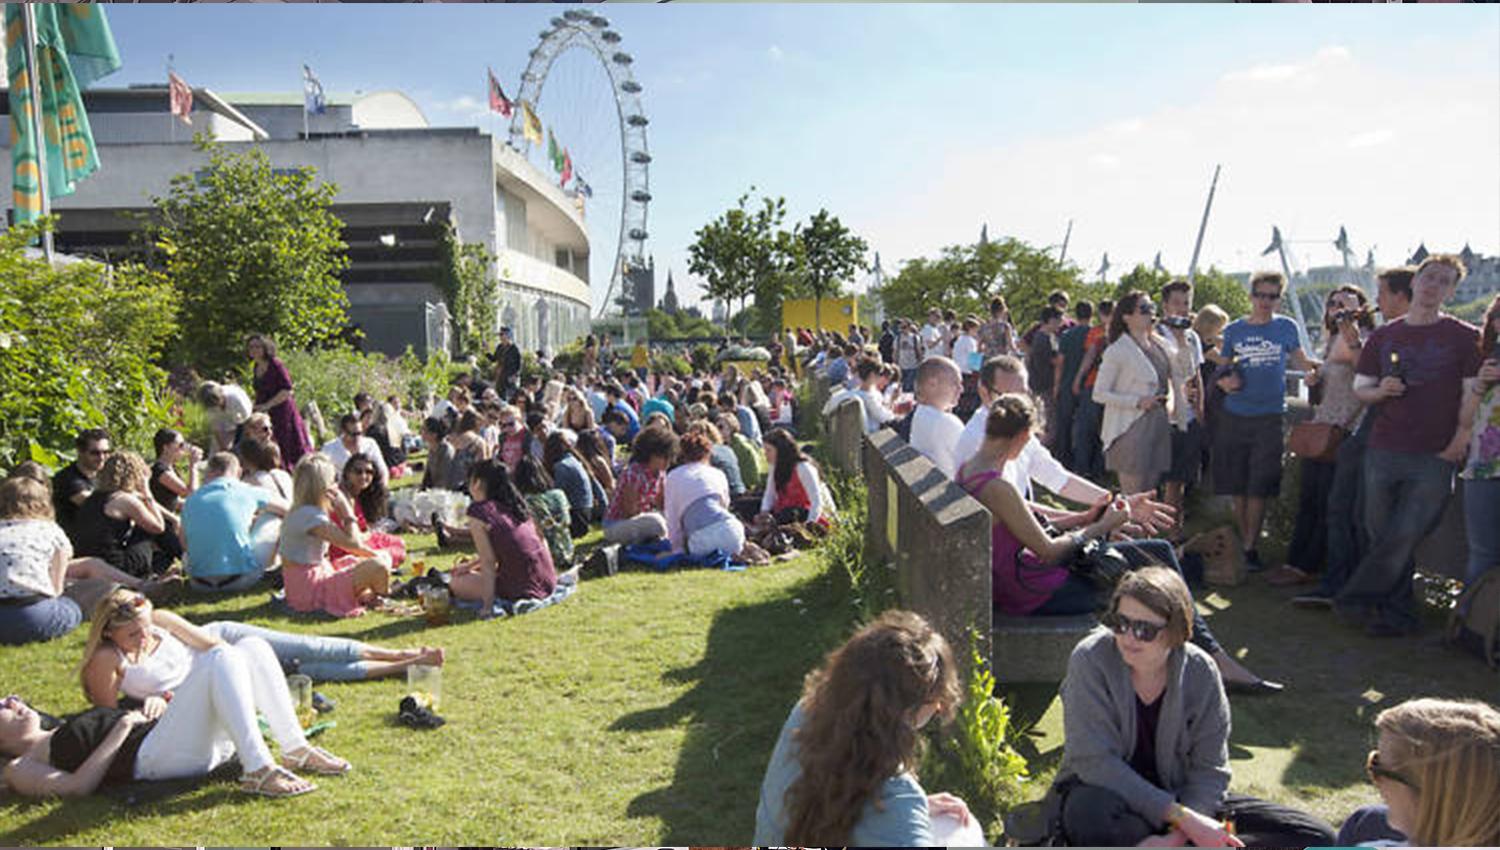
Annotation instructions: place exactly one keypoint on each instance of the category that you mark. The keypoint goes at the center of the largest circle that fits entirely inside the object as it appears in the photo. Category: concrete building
(399, 182)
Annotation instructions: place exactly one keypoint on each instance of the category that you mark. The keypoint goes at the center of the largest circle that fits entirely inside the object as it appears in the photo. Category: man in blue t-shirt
(1247, 443)
(216, 523)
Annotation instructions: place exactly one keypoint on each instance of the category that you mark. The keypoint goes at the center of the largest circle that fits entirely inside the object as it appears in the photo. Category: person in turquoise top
(842, 771)
(659, 404)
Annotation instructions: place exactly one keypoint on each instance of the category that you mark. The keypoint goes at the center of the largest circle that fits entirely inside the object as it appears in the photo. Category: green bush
(78, 349)
(702, 357)
(975, 757)
(332, 377)
(678, 365)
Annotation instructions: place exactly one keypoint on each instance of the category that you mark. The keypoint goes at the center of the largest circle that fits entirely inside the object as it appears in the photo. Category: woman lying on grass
(210, 719)
(145, 653)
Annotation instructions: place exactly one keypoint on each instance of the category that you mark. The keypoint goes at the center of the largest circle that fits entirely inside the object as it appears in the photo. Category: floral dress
(1484, 445)
(550, 510)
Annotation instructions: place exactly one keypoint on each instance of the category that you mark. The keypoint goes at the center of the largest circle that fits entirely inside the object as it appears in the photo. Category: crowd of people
(1122, 409)
(704, 465)
(1116, 409)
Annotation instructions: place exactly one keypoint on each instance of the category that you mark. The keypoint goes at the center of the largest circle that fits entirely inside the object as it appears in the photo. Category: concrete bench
(846, 431)
(937, 539)
(1036, 649)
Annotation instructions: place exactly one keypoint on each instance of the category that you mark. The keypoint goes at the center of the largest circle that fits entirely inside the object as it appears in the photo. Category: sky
(917, 124)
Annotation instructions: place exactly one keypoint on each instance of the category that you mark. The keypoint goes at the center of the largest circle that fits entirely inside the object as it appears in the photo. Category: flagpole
(171, 118)
(1202, 227)
(28, 19)
(305, 133)
(1291, 291)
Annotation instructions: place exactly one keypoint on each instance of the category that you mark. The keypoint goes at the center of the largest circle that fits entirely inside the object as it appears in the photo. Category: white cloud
(1265, 73)
(462, 103)
(776, 53)
(1326, 57)
(1336, 148)
(1372, 138)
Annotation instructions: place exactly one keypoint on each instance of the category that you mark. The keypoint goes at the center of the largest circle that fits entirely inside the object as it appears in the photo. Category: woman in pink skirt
(341, 586)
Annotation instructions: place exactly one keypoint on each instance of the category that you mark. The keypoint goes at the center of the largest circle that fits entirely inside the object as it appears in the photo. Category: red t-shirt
(1435, 359)
(1096, 337)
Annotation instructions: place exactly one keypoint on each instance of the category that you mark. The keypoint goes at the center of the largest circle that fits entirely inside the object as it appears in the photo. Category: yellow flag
(531, 126)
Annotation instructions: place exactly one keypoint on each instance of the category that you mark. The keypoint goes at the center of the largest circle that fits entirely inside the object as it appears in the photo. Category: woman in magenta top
(1026, 559)
(273, 396)
(513, 561)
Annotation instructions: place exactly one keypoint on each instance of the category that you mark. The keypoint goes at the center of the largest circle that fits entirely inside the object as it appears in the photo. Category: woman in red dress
(273, 396)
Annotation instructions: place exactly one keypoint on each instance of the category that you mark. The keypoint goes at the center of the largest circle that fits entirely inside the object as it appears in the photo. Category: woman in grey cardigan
(1146, 724)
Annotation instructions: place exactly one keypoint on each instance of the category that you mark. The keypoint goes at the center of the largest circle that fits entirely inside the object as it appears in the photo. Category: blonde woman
(312, 581)
(207, 717)
(1437, 767)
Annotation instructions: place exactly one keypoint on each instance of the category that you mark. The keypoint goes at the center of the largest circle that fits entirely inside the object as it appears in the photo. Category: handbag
(1317, 441)
(1099, 563)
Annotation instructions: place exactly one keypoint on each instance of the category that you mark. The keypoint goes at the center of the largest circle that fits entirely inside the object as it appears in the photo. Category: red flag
(498, 101)
(181, 96)
(567, 170)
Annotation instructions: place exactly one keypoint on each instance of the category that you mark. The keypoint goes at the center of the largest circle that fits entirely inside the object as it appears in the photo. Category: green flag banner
(73, 49)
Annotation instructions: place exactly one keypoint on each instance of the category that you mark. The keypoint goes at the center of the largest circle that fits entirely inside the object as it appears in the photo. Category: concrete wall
(114, 128)
(935, 534)
(846, 431)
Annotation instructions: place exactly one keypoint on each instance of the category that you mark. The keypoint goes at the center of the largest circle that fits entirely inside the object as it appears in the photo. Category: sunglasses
(364, 470)
(1142, 630)
(1147, 309)
(1266, 296)
(129, 609)
(1376, 771)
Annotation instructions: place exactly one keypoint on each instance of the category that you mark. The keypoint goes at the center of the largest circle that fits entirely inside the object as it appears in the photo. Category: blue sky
(917, 123)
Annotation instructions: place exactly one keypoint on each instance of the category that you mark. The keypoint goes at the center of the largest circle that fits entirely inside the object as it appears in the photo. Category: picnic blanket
(567, 585)
(658, 555)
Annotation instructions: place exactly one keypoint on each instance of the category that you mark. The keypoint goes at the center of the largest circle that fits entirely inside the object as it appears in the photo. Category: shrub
(78, 349)
(668, 362)
(975, 757)
(702, 357)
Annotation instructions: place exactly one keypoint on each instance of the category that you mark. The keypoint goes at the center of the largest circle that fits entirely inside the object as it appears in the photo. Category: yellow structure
(837, 314)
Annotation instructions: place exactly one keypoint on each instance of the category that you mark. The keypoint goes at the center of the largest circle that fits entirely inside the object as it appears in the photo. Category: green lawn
(643, 710)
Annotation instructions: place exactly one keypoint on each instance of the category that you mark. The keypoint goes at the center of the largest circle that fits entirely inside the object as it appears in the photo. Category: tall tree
(964, 278)
(469, 285)
(250, 249)
(830, 253)
(737, 253)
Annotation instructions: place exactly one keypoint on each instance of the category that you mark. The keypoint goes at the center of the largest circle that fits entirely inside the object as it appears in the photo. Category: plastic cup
(426, 682)
(301, 687)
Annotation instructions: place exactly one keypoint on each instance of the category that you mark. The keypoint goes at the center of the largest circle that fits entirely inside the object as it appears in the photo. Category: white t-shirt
(1033, 464)
(932, 337)
(236, 402)
(963, 350)
(935, 434)
(908, 350)
(27, 547)
(1186, 361)
(876, 413)
(340, 455)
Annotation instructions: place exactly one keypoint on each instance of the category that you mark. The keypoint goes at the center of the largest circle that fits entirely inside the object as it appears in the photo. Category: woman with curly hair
(842, 771)
(121, 524)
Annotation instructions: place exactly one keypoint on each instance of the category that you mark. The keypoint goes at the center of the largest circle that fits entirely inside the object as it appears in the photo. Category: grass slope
(642, 710)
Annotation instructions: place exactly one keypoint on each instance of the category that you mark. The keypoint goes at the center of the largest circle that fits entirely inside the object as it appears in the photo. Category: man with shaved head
(934, 428)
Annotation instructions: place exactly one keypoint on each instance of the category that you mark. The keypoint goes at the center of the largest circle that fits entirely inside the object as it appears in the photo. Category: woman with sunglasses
(1437, 768)
(369, 502)
(1135, 387)
(1146, 726)
(210, 717)
(1028, 560)
(843, 770)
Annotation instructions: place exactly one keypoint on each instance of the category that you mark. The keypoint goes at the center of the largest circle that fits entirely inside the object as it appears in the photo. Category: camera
(1181, 323)
(1361, 314)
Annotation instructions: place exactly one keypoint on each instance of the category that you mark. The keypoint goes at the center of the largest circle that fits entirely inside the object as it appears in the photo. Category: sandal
(255, 783)
(327, 763)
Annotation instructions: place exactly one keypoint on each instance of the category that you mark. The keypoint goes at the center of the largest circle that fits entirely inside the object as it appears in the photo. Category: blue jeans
(42, 620)
(1347, 538)
(1405, 495)
(1081, 596)
(1482, 521)
(324, 659)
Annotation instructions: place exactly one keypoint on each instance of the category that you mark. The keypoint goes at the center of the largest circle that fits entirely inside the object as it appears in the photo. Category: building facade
(400, 182)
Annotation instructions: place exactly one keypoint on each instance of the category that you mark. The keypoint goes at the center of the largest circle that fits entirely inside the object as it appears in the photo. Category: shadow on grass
(65, 818)
(743, 687)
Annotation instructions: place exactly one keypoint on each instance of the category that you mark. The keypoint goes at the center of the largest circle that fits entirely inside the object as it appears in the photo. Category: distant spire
(1156, 264)
(1342, 242)
(1419, 255)
(1104, 266)
(984, 234)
